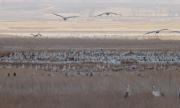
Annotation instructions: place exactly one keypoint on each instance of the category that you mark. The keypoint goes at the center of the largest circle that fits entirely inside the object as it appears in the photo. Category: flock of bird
(65, 18)
(155, 92)
(34, 57)
(101, 60)
(116, 14)
(96, 55)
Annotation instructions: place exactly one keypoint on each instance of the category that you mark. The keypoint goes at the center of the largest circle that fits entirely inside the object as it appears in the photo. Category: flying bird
(65, 18)
(108, 14)
(36, 35)
(156, 31)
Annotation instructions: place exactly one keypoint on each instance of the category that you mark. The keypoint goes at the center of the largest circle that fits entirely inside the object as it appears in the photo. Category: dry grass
(32, 89)
(37, 89)
(5, 53)
(101, 100)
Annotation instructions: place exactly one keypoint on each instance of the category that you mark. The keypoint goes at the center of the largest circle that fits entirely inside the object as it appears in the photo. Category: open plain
(85, 71)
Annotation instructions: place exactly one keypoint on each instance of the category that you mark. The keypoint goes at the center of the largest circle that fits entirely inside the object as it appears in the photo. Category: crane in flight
(36, 35)
(65, 18)
(108, 14)
(156, 31)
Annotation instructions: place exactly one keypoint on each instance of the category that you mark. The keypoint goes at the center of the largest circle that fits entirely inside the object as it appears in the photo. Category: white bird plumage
(156, 92)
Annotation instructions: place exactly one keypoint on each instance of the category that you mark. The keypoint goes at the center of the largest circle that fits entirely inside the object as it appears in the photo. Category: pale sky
(40, 9)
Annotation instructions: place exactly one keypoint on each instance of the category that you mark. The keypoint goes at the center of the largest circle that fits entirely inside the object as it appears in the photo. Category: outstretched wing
(100, 14)
(115, 13)
(150, 32)
(33, 34)
(36, 35)
(72, 17)
(58, 15)
(163, 30)
(156, 31)
(39, 34)
(108, 13)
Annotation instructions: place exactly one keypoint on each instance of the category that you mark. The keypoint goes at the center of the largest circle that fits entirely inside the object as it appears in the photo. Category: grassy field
(35, 89)
(45, 89)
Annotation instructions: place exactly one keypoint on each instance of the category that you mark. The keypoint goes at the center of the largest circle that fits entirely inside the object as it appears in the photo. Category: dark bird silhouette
(65, 18)
(179, 94)
(91, 74)
(66, 74)
(126, 95)
(108, 14)
(36, 35)
(14, 74)
(156, 31)
(8, 74)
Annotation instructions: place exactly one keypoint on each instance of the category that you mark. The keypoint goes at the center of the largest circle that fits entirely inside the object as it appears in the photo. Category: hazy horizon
(41, 9)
